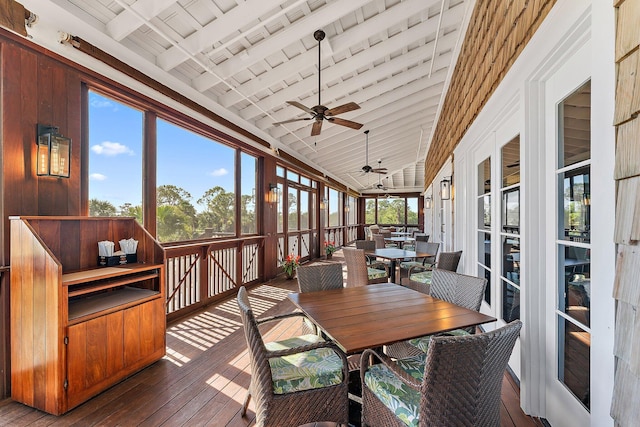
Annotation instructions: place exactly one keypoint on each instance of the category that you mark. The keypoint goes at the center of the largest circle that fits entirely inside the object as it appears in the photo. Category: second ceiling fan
(319, 113)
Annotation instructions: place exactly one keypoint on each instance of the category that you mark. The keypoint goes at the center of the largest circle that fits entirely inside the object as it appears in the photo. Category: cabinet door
(144, 332)
(94, 354)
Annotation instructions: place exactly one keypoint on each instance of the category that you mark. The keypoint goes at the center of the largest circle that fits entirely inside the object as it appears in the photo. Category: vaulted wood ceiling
(244, 60)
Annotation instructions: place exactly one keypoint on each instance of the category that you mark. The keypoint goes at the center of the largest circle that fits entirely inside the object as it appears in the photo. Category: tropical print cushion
(303, 371)
(401, 399)
(408, 264)
(423, 342)
(422, 277)
(374, 273)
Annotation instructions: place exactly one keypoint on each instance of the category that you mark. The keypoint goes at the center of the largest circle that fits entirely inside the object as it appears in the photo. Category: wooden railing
(201, 273)
(342, 235)
(198, 274)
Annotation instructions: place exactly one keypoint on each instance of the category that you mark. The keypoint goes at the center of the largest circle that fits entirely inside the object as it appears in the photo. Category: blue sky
(185, 159)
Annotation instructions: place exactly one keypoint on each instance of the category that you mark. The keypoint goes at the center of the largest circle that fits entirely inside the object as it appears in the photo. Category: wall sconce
(53, 152)
(323, 203)
(427, 202)
(272, 195)
(586, 199)
(445, 188)
(347, 208)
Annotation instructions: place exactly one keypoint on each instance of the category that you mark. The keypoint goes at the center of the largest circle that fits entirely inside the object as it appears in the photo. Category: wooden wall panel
(624, 408)
(627, 229)
(627, 28)
(628, 149)
(497, 34)
(627, 88)
(625, 286)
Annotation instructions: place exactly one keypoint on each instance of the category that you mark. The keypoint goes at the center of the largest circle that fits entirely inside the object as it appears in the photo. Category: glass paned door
(510, 230)
(484, 225)
(573, 286)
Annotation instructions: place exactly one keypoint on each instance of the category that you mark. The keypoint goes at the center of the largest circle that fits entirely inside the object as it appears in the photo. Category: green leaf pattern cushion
(422, 277)
(303, 371)
(374, 273)
(401, 399)
(423, 342)
(408, 264)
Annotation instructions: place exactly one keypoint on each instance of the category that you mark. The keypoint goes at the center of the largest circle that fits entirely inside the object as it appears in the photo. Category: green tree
(391, 211)
(219, 213)
(129, 210)
(172, 224)
(101, 208)
(247, 214)
(176, 216)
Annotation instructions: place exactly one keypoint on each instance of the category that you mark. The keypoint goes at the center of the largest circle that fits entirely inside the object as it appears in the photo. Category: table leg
(392, 273)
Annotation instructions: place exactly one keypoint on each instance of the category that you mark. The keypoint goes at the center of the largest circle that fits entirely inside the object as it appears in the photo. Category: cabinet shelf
(83, 309)
(92, 275)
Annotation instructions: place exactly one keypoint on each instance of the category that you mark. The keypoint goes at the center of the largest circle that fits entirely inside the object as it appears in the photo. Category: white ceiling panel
(246, 59)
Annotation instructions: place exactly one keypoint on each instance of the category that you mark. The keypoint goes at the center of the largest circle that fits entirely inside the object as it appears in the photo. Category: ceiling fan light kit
(319, 113)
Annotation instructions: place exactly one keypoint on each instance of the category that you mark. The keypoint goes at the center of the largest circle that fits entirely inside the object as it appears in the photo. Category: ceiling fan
(366, 168)
(320, 112)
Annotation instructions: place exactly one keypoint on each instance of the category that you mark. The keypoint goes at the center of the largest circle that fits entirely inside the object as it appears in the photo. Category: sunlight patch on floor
(176, 357)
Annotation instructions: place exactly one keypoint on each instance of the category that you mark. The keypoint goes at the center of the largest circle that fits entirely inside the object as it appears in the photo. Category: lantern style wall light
(54, 153)
(445, 188)
(323, 203)
(272, 195)
(427, 202)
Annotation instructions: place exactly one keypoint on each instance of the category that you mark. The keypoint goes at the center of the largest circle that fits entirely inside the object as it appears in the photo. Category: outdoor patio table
(395, 254)
(375, 315)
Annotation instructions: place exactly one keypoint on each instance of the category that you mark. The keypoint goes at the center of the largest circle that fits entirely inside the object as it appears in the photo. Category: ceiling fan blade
(380, 171)
(292, 120)
(317, 126)
(343, 122)
(302, 107)
(342, 109)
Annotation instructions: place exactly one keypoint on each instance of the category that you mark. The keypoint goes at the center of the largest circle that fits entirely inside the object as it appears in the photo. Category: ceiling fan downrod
(319, 36)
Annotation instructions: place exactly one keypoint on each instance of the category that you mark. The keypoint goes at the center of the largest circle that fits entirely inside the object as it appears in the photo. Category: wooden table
(375, 315)
(395, 254)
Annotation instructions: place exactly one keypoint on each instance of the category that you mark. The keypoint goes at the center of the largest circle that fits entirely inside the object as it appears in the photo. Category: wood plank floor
(203, 379)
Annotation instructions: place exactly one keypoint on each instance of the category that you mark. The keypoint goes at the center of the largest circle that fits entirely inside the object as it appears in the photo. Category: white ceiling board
(244, 59)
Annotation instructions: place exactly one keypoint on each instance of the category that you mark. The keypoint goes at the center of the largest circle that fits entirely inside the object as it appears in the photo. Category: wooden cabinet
(76, 328)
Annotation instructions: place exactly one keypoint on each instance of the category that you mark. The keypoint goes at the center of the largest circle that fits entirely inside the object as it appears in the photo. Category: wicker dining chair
(359, 273)
(457, 383)
(460, 289)
(320, 276)
(381, 243)
(421, 264)
(295, 381)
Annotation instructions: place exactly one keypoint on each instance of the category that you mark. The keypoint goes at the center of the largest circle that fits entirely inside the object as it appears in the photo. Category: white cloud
(103, 103)
(109, 148)
(219, 172)
(97, 177)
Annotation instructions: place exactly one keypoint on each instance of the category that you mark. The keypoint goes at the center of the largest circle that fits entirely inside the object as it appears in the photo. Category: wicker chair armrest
(280, 317)
(420, 268)
(379, 265)
(369, 354)
(314, 346)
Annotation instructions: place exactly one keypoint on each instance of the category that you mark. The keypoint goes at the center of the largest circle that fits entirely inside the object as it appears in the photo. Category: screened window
(412, 210)
(334, 208)
(248, 186)
(196, 181)
(370, 211)
(292, 206)
(115, 158)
